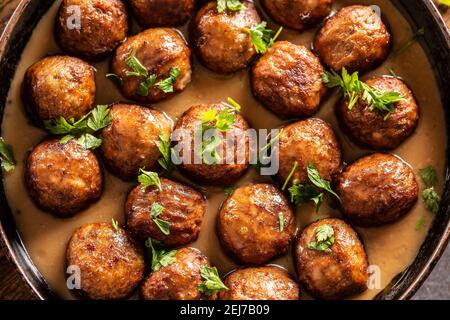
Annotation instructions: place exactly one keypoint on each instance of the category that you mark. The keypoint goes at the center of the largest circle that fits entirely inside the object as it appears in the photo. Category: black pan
(436, 42)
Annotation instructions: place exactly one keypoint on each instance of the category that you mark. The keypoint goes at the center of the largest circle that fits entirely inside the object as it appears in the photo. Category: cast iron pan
(436, 42)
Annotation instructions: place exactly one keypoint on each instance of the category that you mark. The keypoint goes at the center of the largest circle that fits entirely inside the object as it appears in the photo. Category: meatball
(262, 283)
(110, 261)
(165, 59)
(372, 128)
(335, 271)
(184, 209)
(58, 86)
(219, 39)
(63, 179)
(354, 38)
(177, 281)
(162, 13)
(298, 14)
(376, 190)
(308, 141)
(233, 149)
(256, 224)
(130, 141)
(288, 80)
(91, 28)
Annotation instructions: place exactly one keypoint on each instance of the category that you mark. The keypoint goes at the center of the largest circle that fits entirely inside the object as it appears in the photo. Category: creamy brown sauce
(392, 248)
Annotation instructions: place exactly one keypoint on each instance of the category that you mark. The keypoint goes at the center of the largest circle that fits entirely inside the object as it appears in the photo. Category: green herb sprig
(212, 283)
(160, 257)
(263, 38)
(354, 89)
(324, 235)
(6, 156)
(429, 195)
(163, 225)
(149, 179)
(232, 5)
(165, 149)
(83, 129)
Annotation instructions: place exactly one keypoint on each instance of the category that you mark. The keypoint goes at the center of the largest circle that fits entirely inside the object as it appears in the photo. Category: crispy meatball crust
(312, 140)
(111, 262)
(63, 179)
(354, 38)
(104, 25)
(159, 50)
(371, 129)
(219, 39)
(221, 173)
(249, 224)
(184, 209)
(376, 190)
(298, 14)
(162, 13)
(333, 275)
(262, 283)
(178, 281)
(58, 86)
(129, 142)
(288, 80)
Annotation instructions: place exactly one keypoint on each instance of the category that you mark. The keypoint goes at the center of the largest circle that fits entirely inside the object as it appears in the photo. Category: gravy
(392, 248)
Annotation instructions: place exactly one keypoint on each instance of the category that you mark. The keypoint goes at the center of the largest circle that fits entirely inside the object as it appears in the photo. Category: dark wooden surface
(12, 287)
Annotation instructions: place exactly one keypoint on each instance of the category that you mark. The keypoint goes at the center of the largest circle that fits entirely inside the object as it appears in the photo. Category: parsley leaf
(149, 179)
(138, 69)
(211, 281)
(431, 199)
(230, 190)
(163, 225)
(166, 85)
(324, 239)
(160, 257)
(114, 77)
(94, 121)
(428, 176)
(145, 86)
(6, 156)
(420, 223)
(262, 37)
(166, 151)
(353, 89)
(232, 5)
(314, 177)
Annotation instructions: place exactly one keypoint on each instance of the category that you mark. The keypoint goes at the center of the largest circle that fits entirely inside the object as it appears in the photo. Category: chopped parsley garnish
(6, 156)
(115, 224)
(219, 122)
(163, 225)
(324, 235)
(84, 129)
(262, 38)
(429, 195)
(149, 179)
(281, 221)
(212, 283)
(354, 89)
(166, 151)
(312, 191)
(166, 85)
(232, 5)
(229, 190)
(114, 77)
(160, 257)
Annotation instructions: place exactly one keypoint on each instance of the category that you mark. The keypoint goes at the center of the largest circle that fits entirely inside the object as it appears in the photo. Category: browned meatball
(377, 190)
(256, 224)
(110, 261)
(178, 281)
(184, 209)
(371, 128)
(288, 80)
(262, 283)
(219, 39)
(129, 142)
(234, 158)
(298, 14)
(161, 52)
(59, 86)
(354, 38)
(162, 13)
(311, 140)
(91, 28)
(334, 273)
(63, 179)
